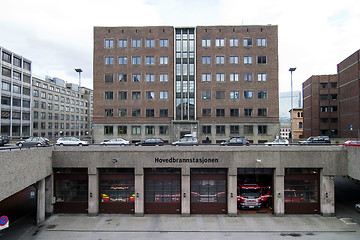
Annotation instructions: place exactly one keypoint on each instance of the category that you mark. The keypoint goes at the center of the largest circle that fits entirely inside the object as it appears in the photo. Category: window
(206, 59)
(220, 60)
(122, 129)
(122, 112)
(150, 43)
(248, 112)
(261, 42)
(26, 78)
(206, 94)
(234, 94)
(109, 112)
(16, 102)
(17, 89)
(164, 112)
(136, 112)
(109, 95)
(136, 130)
(108, 130)
(43, 105)
(220, 94)
(220, 42)
(122, 43)
(164, 42)
(261, 59)
(163, 94)
(220, 129)
(262, 77)
(109, 60)
(248, 129)
(234, 130)
(36, 92)
(149, 77)
(17, 76)
(136, 43)
(136, 77)
(6, 72)
(50, 96)
(136, 95)
(234, 42)
(206, 129)
(7, 87)
(109, 43)
(220, 77)
(6, 101)
(136, 60)
(262, 112)
(150, 113)
(206, 77)
(17, 61)
(234, 77)
(149, 130)
(122, 95)
(247, 42)
(122, 77)
(6, 57)
(150, 60)
(262, 129)
(122, 60)
(247, 59)
(234, 59)
(248, 94)
(206, 112)
(50, 106)
(248, 77)
(262, 94)
(164, 77)
(150, 95)
(164, 60)
(220, 112)
(163, 130)
(234, 112)
(205, 43)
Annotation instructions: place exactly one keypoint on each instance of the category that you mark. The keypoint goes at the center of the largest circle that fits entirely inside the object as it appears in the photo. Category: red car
(351, 143)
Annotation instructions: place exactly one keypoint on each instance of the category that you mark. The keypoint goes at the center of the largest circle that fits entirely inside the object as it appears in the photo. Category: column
(185, 194)
(139, 194)
(232, 194)
(327, 195)
(93, 197)
(278, 197)
(40, 215)
(49, 196)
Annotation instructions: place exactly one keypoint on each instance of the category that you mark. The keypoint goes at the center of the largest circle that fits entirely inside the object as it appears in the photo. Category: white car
(278, 142)
(116, 141)
(71, 141)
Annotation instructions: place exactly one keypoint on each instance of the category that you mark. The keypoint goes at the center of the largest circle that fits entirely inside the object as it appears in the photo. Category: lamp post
(292, 108)
(78, 70)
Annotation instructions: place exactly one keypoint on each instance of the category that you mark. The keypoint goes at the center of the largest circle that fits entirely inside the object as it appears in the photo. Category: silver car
(116, 141)
(187, 140)
(71, 141)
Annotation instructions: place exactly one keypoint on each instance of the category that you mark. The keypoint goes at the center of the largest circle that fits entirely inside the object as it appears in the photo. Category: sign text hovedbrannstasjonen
(201, 160)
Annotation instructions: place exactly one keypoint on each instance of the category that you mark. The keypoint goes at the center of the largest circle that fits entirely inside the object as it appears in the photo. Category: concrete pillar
(185, 195)
(49, 196)
(232, 195)
(93, 195)
(278, 197)
(40, 215)
(139, 195)
(327, 195)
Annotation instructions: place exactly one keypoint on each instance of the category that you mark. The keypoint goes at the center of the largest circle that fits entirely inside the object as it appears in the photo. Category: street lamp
(78, 70)
(292, 108)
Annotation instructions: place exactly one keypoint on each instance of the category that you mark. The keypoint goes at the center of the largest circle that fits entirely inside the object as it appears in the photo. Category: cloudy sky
(57, 36)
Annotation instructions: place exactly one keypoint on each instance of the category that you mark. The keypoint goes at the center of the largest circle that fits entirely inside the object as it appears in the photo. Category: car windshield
(250, 192)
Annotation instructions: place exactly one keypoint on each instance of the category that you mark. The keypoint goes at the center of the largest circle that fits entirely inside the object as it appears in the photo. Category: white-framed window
(206, 59)
(164, 60)
(136, 60)
(164, 42)
(262, 77)
(234, 77)
(150, 43)
(247, 42)
(220, 77)
(136, 77)
(206, 94)
(261, 42)
(247, 59)
(234, 42)
(248, 77)
(220, 42)
(150, 95)
(150, 77)
(205, 43)
(122, 43)
(163, 77)
(150, 60)
(220, 60)
(136, 43)
(122, 60)
(109, 60)
(234, 94)
(206, 77)
(109, 43)
(234, 59)
(164, 94)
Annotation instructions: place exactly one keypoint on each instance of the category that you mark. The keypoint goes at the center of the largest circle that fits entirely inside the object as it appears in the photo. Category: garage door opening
(254, 190)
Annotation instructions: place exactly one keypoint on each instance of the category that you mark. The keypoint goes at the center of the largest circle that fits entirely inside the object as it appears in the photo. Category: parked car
(116, 141)
(34, 141)
(357, 207)
(151, 142)
(2, 143)
(71, 141)
(318, 140)
(278, 141)
(351, 143)
(236, 141)
(186, 140)
(5, 138)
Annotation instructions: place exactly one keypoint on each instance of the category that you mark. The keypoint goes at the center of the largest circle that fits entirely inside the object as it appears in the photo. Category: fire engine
(167, 197)
(251, 195)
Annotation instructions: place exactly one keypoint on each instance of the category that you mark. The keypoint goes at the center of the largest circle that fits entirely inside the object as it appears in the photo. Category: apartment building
(57, 107)
(209, 81)
(15, 94)
(320, 106)
(349, 96)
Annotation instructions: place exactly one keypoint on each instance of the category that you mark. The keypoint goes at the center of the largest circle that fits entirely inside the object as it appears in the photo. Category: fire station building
(195, 180)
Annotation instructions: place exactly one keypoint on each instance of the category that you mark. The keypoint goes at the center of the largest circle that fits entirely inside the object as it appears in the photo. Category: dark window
(164, 112)
(220, 112)
(234, 112)
(220, 129)
(206, 112)
(261, 59)
(206, 130)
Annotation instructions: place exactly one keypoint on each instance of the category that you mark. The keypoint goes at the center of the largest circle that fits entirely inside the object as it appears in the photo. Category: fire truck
(252, 196)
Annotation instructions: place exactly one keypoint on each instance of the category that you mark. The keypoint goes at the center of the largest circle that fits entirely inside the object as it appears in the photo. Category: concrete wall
(22, 168)
(353, 162)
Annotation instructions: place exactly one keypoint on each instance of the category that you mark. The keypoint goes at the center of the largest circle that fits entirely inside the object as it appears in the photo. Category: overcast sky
(57, 36)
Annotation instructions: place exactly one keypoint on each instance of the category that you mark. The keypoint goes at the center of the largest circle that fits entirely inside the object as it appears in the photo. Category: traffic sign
(4, 222)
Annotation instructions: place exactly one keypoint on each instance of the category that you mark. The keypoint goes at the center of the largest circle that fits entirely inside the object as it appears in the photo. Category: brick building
(297, 121)
(215, 81)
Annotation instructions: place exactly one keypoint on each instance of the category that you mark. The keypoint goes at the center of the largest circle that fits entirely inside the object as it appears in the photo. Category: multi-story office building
(15, 94)
(349, 96)
(320, 106)
(57, 107)
(215, 81)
